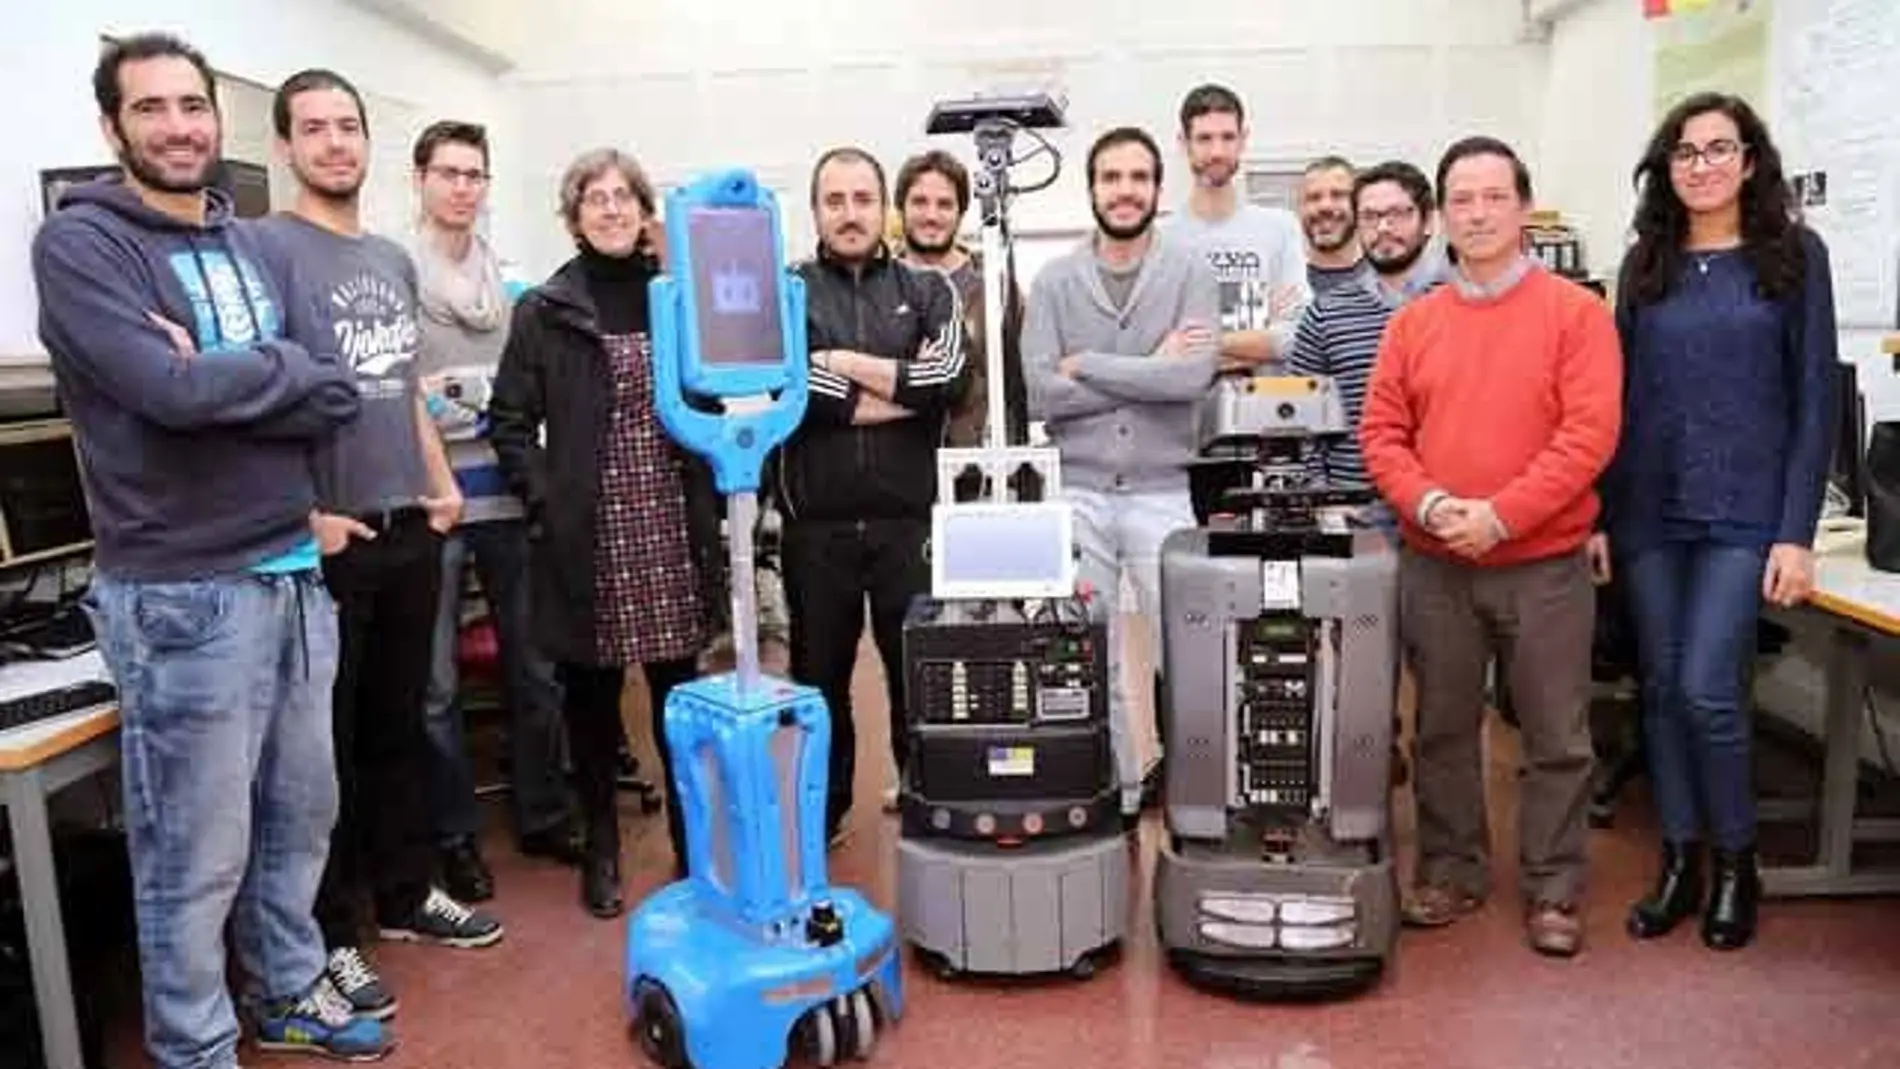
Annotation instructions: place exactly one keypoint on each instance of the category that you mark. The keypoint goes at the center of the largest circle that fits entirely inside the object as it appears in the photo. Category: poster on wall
(1709, 44)
(1839, 135)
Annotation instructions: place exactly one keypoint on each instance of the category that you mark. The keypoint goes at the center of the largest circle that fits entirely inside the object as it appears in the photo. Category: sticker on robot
(1012, 761)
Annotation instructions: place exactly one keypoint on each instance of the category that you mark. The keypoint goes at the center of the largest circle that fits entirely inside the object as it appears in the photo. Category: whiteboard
(1833, 112)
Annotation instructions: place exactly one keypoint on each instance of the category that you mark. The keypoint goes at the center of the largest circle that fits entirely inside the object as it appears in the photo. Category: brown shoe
(1554, 928)
(1434, 905)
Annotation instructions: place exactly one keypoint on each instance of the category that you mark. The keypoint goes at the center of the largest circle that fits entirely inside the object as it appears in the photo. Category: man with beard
(1339, 334)
(1257, 254)
(194, 419)
(386, 497)
(857, 481)
(1119, 346)
(933, 193)
(1332, 251)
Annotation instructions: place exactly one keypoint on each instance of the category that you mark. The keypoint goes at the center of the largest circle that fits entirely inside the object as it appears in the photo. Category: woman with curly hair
(1726, 310)
(623, 528)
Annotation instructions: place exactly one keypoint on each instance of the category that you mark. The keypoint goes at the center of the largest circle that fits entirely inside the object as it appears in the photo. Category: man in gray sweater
(1120, 343)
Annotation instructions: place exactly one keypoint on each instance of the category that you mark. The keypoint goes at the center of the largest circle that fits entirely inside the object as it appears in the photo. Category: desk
(1862, 608)
(35, 761)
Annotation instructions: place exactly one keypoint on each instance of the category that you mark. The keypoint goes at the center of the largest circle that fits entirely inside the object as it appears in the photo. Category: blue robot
(754, 950)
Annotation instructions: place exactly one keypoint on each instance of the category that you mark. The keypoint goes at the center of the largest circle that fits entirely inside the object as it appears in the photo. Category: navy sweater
(1728, 407)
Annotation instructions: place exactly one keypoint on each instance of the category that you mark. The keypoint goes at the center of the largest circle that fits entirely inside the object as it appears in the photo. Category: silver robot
(1280, 655)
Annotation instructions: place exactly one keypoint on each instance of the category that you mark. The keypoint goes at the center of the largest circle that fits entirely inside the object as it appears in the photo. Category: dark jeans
(539, 797)
(1536, 619)
(830, 566)
(385, 590)
(1694, 606)
(591, 706)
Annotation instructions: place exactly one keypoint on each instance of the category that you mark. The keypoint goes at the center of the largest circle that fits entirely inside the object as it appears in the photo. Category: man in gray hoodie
(1120, 343)
(196, 415)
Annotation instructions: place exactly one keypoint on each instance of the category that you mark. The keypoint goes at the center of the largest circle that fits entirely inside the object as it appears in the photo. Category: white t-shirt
(1254, 252)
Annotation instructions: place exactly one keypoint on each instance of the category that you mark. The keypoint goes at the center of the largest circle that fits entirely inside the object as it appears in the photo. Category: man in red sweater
(1493, 406)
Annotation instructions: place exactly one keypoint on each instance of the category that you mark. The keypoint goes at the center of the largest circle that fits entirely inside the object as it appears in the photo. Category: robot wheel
(662, 1034)
(843, 1028)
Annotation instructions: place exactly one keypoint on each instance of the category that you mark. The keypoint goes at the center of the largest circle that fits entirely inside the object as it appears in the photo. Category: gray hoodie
(196, 463)
(1125, 421)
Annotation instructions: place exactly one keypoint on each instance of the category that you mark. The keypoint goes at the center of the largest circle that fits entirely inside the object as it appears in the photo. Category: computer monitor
(43, 514)
(1848, 473)
(1018, 550)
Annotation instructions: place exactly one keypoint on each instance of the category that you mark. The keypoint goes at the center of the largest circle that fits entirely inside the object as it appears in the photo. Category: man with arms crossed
(194, 419)
(386, 497)
(1119, 346)
(464, 313)
(1257, 254)
(1495, 403)
(857, 481)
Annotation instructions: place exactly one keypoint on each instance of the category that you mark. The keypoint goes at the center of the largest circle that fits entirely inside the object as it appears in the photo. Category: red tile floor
(1820, 990)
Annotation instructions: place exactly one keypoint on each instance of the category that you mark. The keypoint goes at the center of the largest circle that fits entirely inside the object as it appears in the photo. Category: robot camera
(1033, 111)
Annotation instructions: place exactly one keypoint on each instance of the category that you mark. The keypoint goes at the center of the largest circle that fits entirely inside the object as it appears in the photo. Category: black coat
(555, 374)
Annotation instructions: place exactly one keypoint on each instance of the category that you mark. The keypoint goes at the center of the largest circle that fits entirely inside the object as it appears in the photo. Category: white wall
(1594, 122)
(687, 85)
(1595, 119)
(48, 74)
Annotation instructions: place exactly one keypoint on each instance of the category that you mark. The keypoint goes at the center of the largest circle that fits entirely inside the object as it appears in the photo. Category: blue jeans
(1694, 606)
(230, 790)
(539, 795)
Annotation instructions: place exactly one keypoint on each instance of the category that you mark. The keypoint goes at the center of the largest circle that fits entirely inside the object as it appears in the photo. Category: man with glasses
(464, 310)
(1339, 334)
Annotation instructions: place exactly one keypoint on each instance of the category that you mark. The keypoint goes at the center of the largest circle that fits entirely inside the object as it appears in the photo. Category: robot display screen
(1003, 551)
(735, 282)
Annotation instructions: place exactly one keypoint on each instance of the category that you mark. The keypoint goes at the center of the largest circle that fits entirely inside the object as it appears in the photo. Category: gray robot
(1013, 859)
(1280, 655)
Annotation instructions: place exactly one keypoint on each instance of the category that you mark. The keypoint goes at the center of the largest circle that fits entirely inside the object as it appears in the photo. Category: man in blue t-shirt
(386, 498)
(195, 419)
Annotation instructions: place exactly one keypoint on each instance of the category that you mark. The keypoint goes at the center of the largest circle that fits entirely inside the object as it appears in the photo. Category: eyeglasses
(601, 199)
(1373, 219)
(458, 176)
(1717, 153)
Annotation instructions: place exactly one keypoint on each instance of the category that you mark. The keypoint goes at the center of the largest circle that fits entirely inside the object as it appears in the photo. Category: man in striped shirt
(1338, 335)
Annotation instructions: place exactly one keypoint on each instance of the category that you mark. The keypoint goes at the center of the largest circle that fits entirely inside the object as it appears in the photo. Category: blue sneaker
(322, 1022)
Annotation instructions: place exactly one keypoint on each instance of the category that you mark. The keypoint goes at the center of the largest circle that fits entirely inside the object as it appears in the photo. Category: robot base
(1043, 907)
(706, 994)
(756, 950)
(1265, 930)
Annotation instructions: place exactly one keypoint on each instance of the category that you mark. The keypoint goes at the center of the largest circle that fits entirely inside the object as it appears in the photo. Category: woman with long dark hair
(621, 522)
(1726, 310)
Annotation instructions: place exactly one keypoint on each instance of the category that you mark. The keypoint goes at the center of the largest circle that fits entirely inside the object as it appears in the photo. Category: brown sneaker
(1434, 905)
(1554, 928)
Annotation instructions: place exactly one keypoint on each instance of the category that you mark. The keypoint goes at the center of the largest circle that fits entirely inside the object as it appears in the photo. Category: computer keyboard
(45, 704)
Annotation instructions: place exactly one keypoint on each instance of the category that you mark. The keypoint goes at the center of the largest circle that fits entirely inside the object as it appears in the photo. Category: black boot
(1733, 896)
(600, 871)
(1678, 892)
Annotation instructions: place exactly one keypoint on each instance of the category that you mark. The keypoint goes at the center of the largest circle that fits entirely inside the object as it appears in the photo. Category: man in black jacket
(857, 482)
